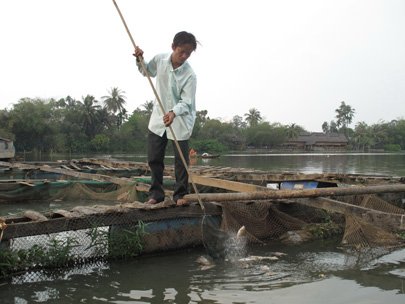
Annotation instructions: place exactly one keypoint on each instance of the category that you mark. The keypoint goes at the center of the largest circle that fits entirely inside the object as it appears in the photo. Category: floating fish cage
(102, 217)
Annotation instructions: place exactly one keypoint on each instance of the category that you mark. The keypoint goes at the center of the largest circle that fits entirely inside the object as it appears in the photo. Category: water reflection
(353, 163)
(380, 164)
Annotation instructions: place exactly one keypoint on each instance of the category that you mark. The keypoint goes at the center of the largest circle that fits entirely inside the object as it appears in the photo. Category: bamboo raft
(240, 184)
(170, 227)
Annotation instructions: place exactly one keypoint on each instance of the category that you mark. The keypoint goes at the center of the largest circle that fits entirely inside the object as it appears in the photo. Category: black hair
(184, 38)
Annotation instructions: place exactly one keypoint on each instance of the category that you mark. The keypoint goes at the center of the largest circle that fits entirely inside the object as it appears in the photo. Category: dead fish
(241, 232)
(35, 216)
(256, 258)
(278, 254)
(63, 213)
(205, 263)
(3, 225)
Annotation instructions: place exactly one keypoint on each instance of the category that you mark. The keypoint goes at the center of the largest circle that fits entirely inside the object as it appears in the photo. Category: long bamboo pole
(161, 106)
(284, 194)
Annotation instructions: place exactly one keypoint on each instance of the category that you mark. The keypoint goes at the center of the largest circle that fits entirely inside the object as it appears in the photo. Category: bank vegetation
(89, 125)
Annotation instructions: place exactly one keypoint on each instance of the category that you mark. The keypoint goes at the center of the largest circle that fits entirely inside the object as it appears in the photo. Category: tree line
(88, 125)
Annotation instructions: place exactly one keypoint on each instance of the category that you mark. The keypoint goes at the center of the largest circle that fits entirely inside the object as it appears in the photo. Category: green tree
(147, 108)
(71, 136)
(5, 130)
(362, 138)
(325, 127)
(32, 122)
(211, 129)
(333, 128)
(100, 143)
(133, 134)
(293, 131)
(90, 115)
(114, 102)
(200, 120)
(237, 122)
(344, 115)
(253, 117)
(265, 135)
(379, 135)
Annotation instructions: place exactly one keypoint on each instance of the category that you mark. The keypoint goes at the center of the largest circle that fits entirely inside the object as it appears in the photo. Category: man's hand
(168, 118)
(138, 53)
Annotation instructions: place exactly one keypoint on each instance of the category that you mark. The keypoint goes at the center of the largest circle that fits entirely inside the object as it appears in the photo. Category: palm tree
(253, 117)
(345, 114)
(90, 110)
(293, 131)
(148, 107)
(363, 136)
(114, 102)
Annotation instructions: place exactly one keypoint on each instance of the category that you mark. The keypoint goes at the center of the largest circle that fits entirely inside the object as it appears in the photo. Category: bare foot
(181, 202)
(151, 201)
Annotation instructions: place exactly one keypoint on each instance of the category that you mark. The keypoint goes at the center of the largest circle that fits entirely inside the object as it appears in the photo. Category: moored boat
(209, 155)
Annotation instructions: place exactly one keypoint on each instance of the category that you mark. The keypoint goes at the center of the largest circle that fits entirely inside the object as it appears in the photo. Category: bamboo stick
(284, 194)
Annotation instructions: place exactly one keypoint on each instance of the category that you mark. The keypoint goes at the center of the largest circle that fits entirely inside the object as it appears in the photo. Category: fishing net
(367, 229)
(362, 233)
(122, 227)
(262, 220)
(111, 192)
(374, 202)
(66, 190)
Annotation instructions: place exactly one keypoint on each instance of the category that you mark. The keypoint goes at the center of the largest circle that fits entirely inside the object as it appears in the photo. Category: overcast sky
(293, 60)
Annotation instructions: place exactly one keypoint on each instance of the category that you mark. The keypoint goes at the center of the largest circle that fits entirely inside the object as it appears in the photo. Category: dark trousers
(156, 154)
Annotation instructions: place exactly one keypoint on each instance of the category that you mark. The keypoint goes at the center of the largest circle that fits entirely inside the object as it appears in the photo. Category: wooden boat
(208, 155)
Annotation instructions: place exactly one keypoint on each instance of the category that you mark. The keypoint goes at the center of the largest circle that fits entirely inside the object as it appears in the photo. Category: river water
(315, 272)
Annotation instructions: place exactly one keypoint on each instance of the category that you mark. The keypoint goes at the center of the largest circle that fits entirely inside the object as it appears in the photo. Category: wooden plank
(74, 166)
(226, 184)
(26, 184)
(60, 224)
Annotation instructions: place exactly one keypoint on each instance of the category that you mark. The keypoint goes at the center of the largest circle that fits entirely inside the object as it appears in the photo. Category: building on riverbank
(317, 142)
(7, 150)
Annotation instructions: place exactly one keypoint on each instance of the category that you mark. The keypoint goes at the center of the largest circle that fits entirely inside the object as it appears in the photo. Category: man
(176, 86)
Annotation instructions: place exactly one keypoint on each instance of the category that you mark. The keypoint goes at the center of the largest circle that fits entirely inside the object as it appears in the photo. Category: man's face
(180, 54)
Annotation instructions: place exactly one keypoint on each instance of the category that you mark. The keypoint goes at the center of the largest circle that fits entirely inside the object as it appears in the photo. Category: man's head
(183, 45)
(184, 38)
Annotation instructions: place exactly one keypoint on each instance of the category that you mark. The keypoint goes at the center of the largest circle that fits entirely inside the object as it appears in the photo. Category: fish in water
(246, 262)
(278, 254)
(241, 232)
(256, 258)
(205, 263)
(238, 255)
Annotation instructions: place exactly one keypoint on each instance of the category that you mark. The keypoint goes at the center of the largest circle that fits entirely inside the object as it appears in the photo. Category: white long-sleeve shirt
(176, 89)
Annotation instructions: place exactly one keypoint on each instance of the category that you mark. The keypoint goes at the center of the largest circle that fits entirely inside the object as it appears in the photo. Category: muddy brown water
(315, 272)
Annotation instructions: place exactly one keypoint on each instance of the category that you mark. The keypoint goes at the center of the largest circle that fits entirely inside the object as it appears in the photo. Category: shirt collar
(169, 62)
